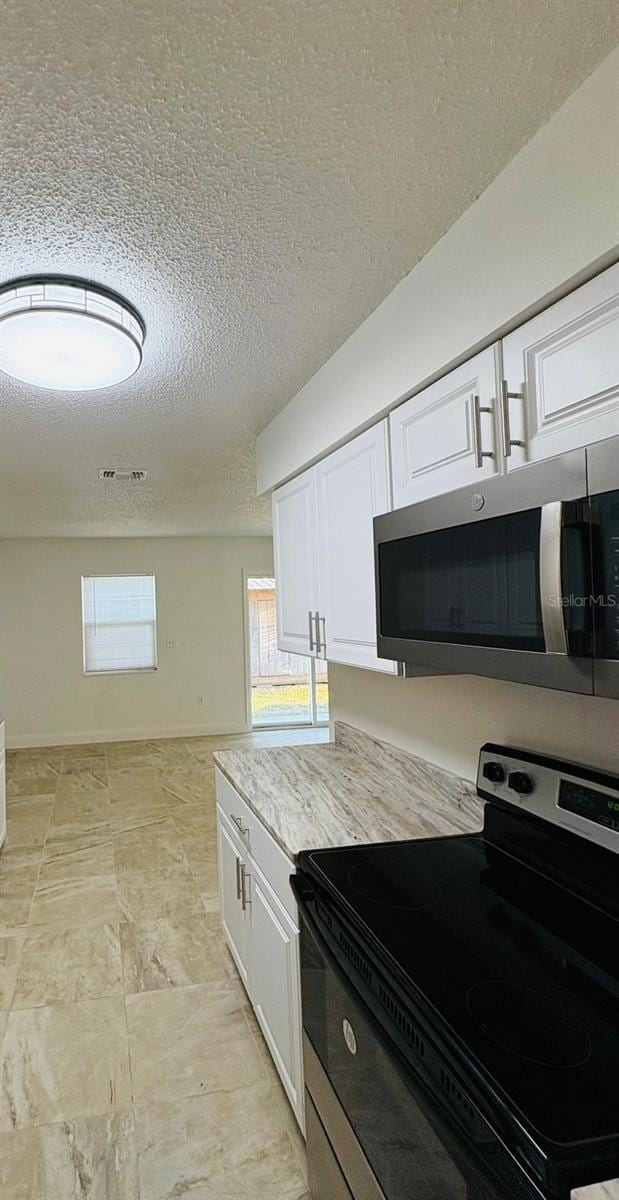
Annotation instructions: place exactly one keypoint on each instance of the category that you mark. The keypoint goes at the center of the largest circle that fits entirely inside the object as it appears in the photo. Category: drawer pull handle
(245, 880)
(238, 878)
(243, 829)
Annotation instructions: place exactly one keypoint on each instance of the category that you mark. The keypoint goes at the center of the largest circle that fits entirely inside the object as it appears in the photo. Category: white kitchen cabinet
(324, 553)
(352, 487)
(236, 916)
(275, 983)
(260, 922)
(448, 435)
(561, 371)
(296, 563)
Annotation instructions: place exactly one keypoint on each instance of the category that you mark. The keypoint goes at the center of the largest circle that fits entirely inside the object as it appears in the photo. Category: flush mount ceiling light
(67, 334)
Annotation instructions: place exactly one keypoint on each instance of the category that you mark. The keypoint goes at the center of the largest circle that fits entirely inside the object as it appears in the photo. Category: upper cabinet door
(562, 372)
(446, 436)
(296, 566)
(352, 488)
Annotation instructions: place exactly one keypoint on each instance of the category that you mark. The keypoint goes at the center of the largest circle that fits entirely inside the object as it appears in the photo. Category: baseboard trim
(32, 740)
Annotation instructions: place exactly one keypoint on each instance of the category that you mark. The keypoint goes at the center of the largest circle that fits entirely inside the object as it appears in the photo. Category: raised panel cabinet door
(235, 919)
(561, 371)
(275, 989)
(353, 487)
(447, 436)
(296, 569)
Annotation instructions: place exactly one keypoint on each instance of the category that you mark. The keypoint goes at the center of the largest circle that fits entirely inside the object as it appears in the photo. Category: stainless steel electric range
(461, 998)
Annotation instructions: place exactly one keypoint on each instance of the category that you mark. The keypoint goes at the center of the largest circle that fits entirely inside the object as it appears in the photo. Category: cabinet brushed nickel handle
(245, 880)
(243, 829)
(317, 626)
(310, 620)
(323, 645)
(480, 453)
(506, 396)
(238, 878)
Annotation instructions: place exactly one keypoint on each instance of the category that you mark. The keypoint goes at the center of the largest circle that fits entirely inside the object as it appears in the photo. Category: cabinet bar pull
(238, 878)
(243, 829)
(317, 638)
(506, 396)
(245, 879)
(310, 620)
(323, 645)
(480, 454)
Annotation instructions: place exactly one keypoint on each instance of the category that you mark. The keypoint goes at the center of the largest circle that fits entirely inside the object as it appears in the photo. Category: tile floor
(131, 1066)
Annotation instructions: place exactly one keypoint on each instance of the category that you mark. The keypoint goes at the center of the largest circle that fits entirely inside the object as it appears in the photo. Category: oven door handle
(551, 579)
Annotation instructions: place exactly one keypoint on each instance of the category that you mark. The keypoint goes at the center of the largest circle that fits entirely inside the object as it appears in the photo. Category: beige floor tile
(75, 814)
(35, 780)
(170, 952)
(196, 820)
(19, 871)
(85, 750)
(232, 1146)
(188, 785)
(94, 771)
(75, 784)
(168, 752)
(23, 762)
(64, 1062)
(27, 821)
(190, 1041)
(78, 886)
(92, 1159)
(128, 754)
(205, 873)
(135, 779)
(136, 812)
(61, 966)
(153, 876)
(10, 953)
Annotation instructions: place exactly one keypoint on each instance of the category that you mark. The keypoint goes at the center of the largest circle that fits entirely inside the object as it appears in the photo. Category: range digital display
(587, 802)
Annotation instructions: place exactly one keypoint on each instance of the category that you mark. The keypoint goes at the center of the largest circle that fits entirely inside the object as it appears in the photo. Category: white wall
(544, 220)
(43, 693)
(447, 719)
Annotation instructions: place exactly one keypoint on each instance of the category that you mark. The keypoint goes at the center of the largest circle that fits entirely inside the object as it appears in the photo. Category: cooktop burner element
(407, 894)
(528, 1024)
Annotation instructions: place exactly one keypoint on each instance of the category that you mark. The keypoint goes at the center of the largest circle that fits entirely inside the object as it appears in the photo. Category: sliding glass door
(285, 689)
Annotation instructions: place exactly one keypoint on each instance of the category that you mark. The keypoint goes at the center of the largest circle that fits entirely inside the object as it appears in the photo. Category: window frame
(120, 670)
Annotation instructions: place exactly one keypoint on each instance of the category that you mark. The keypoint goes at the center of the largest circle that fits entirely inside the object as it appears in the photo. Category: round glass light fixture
(66, 334)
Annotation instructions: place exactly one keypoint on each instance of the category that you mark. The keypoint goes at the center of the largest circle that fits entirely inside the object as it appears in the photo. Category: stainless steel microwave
(517, 578)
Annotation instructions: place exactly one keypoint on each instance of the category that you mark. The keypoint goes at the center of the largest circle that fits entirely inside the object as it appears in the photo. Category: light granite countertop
(353, 790)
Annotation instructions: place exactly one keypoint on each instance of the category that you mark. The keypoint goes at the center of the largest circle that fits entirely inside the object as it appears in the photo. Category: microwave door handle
(550, 578)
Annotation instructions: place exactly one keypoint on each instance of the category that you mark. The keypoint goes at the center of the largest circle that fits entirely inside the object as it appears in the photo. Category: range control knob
(520, 782)
(494, 772)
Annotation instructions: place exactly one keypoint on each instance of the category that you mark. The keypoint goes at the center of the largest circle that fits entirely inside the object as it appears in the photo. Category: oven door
(603, 466)
(374, 1130)
(494, 581)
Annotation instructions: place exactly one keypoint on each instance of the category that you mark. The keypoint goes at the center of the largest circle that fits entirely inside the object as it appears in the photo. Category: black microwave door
(476, 584)
(605, 589)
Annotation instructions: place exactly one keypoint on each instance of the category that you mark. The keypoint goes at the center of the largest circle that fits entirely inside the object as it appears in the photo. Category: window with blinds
(119, 623)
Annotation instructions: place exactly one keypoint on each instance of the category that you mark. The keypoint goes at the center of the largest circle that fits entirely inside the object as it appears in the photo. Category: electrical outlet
(200, 699)
(170, 644)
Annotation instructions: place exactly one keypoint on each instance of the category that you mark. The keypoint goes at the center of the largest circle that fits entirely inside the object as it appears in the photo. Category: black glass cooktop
(520, 972)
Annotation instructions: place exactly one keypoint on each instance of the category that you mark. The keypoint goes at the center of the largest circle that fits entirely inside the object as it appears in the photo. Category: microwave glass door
(476, 584)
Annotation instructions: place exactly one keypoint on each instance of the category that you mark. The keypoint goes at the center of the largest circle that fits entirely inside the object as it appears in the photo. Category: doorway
(283, 688)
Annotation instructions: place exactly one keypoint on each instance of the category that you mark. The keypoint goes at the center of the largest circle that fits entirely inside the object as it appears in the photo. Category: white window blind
(119, 623)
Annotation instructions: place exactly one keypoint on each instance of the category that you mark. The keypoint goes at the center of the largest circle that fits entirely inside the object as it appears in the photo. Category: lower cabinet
(259, 919)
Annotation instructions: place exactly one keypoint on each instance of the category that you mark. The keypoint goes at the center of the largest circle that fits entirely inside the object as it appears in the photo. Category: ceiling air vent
(122, 474)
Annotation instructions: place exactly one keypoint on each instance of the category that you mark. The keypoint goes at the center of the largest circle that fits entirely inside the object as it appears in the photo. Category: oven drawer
(325, 1179)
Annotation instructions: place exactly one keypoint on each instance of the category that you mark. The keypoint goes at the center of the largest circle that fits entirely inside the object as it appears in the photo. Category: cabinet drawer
(237, 811)
(258, 842)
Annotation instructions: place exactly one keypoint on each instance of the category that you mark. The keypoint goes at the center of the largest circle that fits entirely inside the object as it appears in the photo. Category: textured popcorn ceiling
(255, 177)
